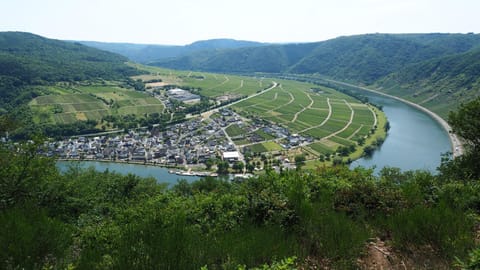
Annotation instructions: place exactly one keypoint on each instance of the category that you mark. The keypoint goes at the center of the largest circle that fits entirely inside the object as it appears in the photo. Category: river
(415, 140)
(159, 173)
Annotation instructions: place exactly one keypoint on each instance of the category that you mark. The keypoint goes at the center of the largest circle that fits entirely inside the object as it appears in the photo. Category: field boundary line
(304, 108)
(324, 121)
(352, 114)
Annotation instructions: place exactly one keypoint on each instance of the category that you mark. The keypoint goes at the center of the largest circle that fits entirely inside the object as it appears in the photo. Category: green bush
(335, 236)
(29, 239)
(446, 230)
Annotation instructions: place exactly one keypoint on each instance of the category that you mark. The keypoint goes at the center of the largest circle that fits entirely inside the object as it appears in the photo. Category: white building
(231, 156)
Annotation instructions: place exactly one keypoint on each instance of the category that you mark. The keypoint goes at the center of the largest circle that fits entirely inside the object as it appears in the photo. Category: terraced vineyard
(70, 104)
(329, 118)
(316, 121)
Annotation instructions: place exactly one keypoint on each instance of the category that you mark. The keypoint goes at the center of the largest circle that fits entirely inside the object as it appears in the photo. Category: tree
(222, 167)
(250, 167)
(238, 166)
(361, 141)
(466, 123)
(299, 161)
(209, 163)
(368, 150)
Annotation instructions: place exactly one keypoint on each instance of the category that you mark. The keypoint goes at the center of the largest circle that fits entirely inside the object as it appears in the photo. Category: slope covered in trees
(440, 84)
(435, 70)
(32, 58)
(363, 58)
(27, 60)
(145, 53)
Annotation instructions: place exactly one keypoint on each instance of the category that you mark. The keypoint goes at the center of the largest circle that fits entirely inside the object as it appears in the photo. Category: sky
(180, 22)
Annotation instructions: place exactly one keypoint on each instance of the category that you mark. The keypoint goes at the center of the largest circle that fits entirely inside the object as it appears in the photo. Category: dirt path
(324, 121)
(352, 114)
(222, 83)
(355, 132)
(428, 99)
(292, 99)
(457, 147)
(375, 120)
(304, 108)
(238, 88)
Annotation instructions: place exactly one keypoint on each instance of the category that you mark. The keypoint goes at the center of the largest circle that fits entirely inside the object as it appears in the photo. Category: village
(187, 146)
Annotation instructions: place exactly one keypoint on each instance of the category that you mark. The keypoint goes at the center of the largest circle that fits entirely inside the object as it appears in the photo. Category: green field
(303, 108)
(322, 114)
(69, 104)
(234, 130)
(330, 119)
(265, 147)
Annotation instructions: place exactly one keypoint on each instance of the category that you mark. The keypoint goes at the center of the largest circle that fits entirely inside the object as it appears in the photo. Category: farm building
(183, 96)
(231, 156)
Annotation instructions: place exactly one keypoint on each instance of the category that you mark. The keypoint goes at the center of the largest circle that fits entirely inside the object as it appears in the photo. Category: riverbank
(455, 142)
(173, 169)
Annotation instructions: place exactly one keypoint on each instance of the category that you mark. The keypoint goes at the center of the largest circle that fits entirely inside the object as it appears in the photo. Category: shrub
(446, 230)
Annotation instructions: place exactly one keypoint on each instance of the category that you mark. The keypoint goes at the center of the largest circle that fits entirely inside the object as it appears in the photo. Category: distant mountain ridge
(362, 58)
(436, 70)
(145, 53)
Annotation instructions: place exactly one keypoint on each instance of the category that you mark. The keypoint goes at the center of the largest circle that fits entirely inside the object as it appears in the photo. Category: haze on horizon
(182, 22)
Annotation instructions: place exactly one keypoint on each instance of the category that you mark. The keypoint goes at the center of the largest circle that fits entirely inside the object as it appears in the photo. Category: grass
(264, 135)
(272, 146)
(265, 147)
(241, 142)
(321, 147)
(234, 130)
(92, 103)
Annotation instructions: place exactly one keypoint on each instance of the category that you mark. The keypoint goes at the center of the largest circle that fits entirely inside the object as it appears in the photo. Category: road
(212, 111)
(237, 148)
(457, 147)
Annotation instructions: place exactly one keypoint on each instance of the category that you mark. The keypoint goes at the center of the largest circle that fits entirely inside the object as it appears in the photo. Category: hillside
(435, 70)
(27, 59)
(273, 59)
(145, 53)
(362, 58)
(437, 83)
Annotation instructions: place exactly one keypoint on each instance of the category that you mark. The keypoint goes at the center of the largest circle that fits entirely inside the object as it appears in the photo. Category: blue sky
(182, 22)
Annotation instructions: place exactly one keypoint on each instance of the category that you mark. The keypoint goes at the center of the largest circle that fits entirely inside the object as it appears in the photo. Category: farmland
(273, 115)
(68, 104)
(328, 118)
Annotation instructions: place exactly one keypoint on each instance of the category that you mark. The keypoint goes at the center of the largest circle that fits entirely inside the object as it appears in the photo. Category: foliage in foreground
(91, 220)
(85, 219)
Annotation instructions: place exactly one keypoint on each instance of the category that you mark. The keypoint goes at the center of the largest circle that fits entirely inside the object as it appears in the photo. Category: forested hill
(436, 70)
(34, 58)
(145, 53)
(439, 84)
(273, 59)
(362, 58)
(27, 59)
